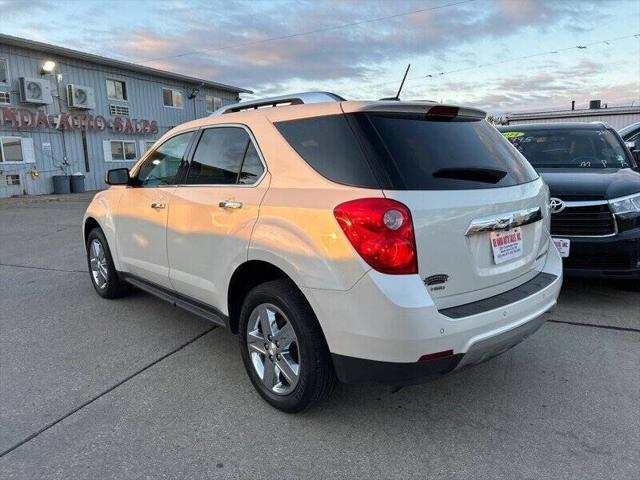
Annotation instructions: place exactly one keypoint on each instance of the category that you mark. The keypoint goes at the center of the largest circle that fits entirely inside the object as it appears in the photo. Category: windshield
(565, 148)
(629, 129)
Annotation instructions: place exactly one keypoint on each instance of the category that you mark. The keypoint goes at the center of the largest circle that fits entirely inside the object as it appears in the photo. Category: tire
(282, 303)
(104, 277)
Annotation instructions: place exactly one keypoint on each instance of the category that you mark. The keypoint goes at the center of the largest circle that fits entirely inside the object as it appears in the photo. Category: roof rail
(293, 99)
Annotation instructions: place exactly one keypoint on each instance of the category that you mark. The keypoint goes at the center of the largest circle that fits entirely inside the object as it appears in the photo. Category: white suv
(359, 241)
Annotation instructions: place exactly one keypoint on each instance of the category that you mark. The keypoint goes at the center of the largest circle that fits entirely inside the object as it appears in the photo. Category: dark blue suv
(595, 194)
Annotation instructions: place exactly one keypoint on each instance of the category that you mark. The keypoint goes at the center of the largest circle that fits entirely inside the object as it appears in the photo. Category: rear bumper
(357, 370)
(605, 257)
(378, 330)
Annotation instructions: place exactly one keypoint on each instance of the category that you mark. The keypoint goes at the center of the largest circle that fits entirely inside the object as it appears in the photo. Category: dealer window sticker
(513, 134)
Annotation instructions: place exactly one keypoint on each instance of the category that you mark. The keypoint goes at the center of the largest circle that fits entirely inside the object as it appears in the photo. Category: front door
(141, 219)
(212, 215)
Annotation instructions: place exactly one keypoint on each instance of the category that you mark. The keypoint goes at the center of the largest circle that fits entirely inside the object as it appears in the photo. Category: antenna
(397, 97)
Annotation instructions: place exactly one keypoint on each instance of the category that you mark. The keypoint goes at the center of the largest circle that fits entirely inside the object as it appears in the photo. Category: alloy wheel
(98, 264)
(273, 348)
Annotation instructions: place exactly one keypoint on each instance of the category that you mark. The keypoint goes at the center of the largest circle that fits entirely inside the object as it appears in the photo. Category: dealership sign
(25, 118)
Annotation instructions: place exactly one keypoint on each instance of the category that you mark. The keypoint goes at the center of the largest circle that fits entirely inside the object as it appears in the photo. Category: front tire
(283, 347)
(104, 276)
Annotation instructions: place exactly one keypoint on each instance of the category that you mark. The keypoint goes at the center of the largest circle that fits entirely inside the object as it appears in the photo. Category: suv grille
(592, 220)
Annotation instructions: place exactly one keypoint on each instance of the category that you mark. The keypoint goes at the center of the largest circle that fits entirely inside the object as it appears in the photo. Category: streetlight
(48, 67)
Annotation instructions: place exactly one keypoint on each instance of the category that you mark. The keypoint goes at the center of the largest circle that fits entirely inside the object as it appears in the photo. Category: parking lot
(133, 388)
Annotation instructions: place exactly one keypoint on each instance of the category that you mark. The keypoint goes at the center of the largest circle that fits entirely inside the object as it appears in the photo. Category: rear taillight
(381, 231)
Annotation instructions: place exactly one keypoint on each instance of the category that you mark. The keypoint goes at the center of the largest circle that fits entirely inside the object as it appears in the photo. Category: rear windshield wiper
(484, 175)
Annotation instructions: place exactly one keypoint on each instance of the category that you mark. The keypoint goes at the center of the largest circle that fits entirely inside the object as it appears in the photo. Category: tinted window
(252, 168)
(4, 77)
(219, 156)
(440, 153)
(634, 138)
(330, 147)
(565, 148)
(629, 130)
(407, 152)
(161, 167)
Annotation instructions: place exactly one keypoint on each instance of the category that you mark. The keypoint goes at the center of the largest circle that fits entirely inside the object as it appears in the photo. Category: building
(64, 112)
(617, 117)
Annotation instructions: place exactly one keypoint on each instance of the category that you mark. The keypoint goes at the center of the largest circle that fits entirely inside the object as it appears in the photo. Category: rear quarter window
(329, 146)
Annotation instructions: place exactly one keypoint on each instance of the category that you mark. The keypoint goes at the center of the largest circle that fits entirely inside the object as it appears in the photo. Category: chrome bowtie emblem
(556, 205)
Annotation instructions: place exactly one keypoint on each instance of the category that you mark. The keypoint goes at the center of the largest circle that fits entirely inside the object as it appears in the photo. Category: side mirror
(117, 176)
(631, 146)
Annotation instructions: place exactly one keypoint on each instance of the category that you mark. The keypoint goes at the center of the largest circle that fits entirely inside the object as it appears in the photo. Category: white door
(212, 215)
(141, 219)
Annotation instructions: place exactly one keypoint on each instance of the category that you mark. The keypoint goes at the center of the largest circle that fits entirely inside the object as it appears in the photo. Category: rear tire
(104, 276)
(283, 348)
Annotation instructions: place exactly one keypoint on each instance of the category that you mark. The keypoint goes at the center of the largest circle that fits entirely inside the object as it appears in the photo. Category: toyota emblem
(556, 205)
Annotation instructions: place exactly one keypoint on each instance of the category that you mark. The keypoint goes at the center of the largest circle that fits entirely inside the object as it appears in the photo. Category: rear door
(212, 215)
(476, 203)
(142, 213)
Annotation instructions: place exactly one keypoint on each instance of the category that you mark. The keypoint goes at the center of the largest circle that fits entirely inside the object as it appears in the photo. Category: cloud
(549, 88)
(226, 41)
(9, 7)
(231, 47)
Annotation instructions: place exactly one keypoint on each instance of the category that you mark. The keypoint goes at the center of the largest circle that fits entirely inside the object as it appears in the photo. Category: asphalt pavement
(134, 388)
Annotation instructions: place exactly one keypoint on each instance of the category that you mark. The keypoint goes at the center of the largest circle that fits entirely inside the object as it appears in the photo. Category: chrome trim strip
(586, 203)
(504, 221)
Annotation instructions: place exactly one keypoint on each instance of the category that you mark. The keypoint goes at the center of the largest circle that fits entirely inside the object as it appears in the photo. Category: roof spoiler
(430, 109)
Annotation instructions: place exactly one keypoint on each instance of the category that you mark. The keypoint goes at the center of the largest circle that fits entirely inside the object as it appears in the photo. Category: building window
(11, 149)
(13, 179)
(5, 98)
(118, 110)
(117, 90)
(148, 144)
(123, 150)
(213, 103)
(172, 98)
(4, 71)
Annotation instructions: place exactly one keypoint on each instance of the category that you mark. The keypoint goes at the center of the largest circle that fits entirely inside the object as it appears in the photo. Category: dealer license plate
(506, 245)
(563, 245)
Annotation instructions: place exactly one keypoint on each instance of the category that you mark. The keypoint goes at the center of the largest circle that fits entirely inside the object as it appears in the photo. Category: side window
(218, 157)
(252, 168)
(162, 166)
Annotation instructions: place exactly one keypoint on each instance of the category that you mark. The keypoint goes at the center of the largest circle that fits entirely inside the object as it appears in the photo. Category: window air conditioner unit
(35, 90)
(79, 96)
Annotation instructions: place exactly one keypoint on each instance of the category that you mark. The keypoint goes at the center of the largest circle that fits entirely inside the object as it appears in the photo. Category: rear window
(407, 152)
(567, 148)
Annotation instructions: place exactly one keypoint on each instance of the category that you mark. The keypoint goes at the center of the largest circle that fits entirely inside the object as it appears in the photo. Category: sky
(499, 55)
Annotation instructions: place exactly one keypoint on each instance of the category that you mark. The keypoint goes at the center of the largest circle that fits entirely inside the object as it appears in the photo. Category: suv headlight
(626, 206)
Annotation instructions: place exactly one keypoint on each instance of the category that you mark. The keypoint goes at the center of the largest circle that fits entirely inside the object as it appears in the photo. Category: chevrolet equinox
(357, 241)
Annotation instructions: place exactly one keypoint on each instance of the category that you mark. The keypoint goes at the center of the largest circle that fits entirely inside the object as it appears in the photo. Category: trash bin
(61, 184)
(77, 183)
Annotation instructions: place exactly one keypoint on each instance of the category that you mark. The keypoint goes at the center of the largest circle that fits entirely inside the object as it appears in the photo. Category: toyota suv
(595, 195)
(357, 241)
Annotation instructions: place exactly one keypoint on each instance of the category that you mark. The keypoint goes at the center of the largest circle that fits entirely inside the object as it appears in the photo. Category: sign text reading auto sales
(25, 118)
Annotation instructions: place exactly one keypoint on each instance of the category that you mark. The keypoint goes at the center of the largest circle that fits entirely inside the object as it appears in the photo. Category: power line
(508, 60)
(301, 34)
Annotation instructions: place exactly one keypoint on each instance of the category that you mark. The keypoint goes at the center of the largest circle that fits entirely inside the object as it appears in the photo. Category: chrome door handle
(228, 204)
(158, 205)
